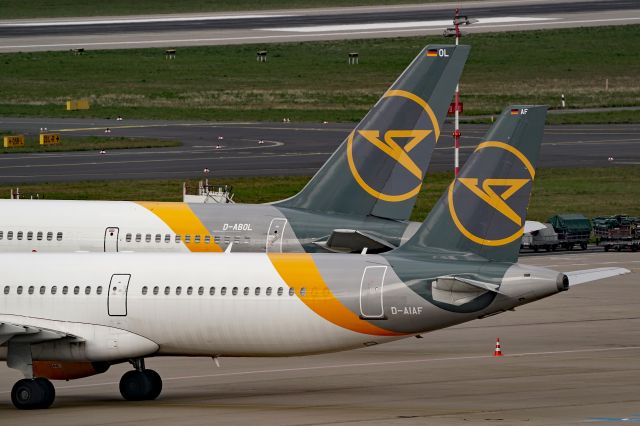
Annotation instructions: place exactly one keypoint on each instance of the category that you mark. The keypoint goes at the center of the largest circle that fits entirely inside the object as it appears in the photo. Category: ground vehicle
(572, 228)
(617, 232)
(544, 238)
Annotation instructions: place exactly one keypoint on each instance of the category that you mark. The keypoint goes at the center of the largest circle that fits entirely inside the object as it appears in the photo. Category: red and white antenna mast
(457, 105)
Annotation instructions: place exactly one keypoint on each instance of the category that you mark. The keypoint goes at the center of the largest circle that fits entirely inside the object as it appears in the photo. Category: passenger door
(276, 235)
(371, 292)
(117, 298)
(111, 239)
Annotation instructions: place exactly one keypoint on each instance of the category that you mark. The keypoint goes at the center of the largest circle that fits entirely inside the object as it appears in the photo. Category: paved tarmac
(288, 149)
(571, 359)
(306, 24)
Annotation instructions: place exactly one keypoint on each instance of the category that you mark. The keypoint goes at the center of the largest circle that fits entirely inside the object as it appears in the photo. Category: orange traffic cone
(498, 350)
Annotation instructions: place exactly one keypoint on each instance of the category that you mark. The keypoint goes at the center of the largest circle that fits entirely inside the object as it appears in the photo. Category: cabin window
(156, 290)
(201, 290)
(187, 238)
(87, 290)
(216, 239)
(49, 236)
(54, 289)
(280, 291)
(19, 235)
(246, 291)
(212, 291)
(42, 289)
(147, 238)
(167, 238)
(234, 292)
(65, 289)
(189, 291)
(76, 290)
(223, 291)
(247, 239)
(1, 235)
(30, 235)
(158, 238)
(207, 239)
(268, 291)
(197, 239)
(10, 235)
(303, 292)
(39, 236)
(227, 240)
(59, 236)
(128, 238)
(178, 291)
(19, 289)
(292, 291)
(236, 239)
(257, 291)
(178, 238)
(6, 289)
(167, 290)
(145, 289)
(31, 289)
(99, 290)
(138, 238)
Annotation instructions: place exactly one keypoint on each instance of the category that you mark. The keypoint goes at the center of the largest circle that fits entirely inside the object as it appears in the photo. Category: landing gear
(140, 384)
(33, 394)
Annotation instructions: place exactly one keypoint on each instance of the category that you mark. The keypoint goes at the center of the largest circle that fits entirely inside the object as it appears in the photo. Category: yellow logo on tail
(488, 195)
(393, 150)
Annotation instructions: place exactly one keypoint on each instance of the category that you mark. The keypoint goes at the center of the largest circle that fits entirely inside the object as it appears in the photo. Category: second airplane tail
(378, 170)
(483, 211)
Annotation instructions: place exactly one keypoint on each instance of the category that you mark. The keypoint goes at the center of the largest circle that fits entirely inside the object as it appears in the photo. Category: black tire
(135, 386)
(634, 247)
(583, 246)
(536, 248)
(554, 247)
(606, 248)
(547, 248)
(156, 384)
(27, 394)
(49, 391)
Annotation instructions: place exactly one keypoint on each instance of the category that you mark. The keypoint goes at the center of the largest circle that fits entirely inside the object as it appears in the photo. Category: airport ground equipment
(573, 229)
(545, 238)
(617, 232)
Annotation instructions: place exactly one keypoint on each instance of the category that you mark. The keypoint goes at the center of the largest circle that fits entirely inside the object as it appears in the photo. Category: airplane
(65, 316)
(362, 196)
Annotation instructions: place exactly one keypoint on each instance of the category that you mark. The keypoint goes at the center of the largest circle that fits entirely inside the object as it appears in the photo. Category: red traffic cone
(498, 350)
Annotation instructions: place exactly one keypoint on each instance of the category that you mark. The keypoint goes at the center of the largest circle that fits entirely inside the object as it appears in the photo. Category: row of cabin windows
(29, 235)
(197, 239)
(156, 290)
(53, 290)
(223, 291)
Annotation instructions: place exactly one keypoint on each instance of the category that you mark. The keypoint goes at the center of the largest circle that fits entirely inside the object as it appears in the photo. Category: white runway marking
(398, 25)
(364, 364)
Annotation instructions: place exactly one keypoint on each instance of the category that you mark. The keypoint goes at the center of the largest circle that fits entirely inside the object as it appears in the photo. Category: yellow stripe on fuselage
(299, 270)
(183, 221)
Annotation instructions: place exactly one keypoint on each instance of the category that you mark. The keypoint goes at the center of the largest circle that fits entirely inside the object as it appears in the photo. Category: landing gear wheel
(583, 246)
(135, 386)
(49, 391)
(156, 384)
(28, 394)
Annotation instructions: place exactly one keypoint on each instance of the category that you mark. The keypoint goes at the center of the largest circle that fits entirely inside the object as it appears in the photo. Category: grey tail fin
(378, 170)
(482, 213)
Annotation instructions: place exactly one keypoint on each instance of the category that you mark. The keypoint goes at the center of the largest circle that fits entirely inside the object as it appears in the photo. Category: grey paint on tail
(482, 213)
(378, 170)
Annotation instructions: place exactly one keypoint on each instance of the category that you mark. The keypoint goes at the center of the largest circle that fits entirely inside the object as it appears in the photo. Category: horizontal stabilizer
(588, 275)
(354, 241)
(533, 226)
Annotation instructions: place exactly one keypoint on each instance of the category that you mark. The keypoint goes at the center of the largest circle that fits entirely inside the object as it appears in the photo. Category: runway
(569, 359)
(288, 149)
(306, 24)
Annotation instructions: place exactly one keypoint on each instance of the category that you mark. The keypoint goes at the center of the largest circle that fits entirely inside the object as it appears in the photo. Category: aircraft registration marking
(407, 310)
(237, 227)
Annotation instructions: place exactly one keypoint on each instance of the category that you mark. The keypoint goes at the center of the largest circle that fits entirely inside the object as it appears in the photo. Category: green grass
(53, 8)
(591, 191)
(88, 143)
(312, 81)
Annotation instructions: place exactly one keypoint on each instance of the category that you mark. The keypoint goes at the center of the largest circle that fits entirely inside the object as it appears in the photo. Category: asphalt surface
(571, 359)
(310, 24)
(288, 149)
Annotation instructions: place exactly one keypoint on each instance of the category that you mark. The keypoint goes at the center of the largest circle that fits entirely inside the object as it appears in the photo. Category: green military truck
(573, 229)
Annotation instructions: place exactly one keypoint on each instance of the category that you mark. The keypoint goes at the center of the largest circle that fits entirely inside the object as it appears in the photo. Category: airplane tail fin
(483, 211)
(378, 170)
